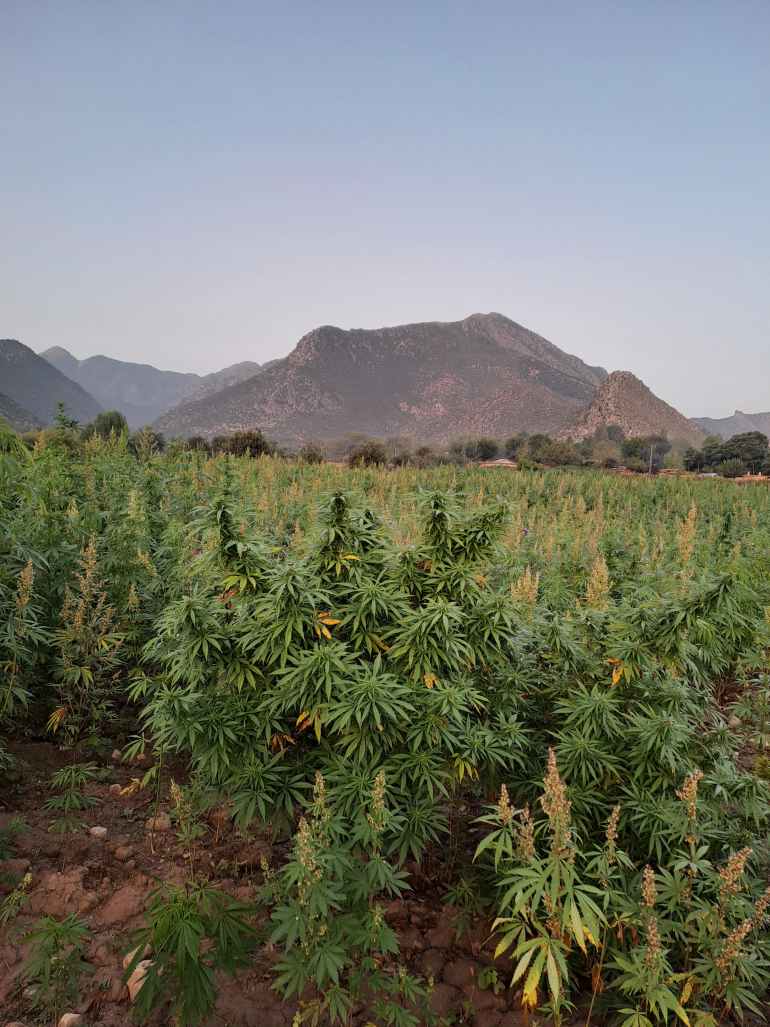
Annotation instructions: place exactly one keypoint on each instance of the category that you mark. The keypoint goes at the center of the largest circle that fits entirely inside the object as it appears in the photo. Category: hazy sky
(192, 184)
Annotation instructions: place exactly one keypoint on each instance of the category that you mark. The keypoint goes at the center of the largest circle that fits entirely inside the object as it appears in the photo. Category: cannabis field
(288, 743)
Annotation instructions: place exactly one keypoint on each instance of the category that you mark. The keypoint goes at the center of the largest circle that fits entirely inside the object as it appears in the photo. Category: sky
(191, 184)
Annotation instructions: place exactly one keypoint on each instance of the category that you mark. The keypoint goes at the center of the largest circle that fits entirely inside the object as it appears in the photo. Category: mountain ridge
(433, 380)
(37, 386)
(735, 424)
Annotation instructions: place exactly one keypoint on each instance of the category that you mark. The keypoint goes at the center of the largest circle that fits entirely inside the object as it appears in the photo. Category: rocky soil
(105, 877)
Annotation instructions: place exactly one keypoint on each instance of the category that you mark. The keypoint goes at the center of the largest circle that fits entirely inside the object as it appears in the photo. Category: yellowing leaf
(132, 787)
(56, 718)
(430, 680)
(686, 991)
(617, 673)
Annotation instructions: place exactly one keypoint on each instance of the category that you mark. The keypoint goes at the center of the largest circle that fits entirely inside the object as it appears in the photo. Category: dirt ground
(106, 882)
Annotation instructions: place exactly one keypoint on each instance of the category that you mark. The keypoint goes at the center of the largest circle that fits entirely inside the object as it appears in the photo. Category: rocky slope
(19, 419)
(140, 391)
(625, 401)
(483, 375)
(739, 423)
(37, 386)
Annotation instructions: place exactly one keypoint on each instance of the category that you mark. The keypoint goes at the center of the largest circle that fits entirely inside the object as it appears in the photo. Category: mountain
(626, 401)
(19, 419)
(739, 423)
(37, 386)
(141, 391)
(483, 375)
(218, 380)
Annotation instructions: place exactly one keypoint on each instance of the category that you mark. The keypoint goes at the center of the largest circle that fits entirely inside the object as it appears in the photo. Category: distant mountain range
(483, 375)
(433, 381)
(36, 386)
(739, 423)
(141, 392)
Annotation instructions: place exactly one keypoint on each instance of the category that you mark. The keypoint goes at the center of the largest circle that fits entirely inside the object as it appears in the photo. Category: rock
(442, 936)
(58, 894)
(460, 972)
(433, 962)
(483, 999)
(444, 999)
(129, 956)
(487, 1018)
(71, 1020)
(734, 722)
(115, 790)
(124, 852)
(127, 903)
(117, 756)
(411, 939)
(98, 832)
(162, 822)
(15, 1023)
(136, 980)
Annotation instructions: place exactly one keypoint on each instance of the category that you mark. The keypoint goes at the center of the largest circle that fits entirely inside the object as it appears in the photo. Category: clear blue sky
(192, 184)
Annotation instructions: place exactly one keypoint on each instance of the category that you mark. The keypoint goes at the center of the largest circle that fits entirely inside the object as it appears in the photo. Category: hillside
(37, 386)
(625, 401)
(140, 391)
(19, 419)
(218, 380)
(739, 423)
(485, 374)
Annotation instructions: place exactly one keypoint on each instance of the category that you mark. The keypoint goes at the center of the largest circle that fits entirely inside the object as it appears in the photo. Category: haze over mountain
(625, 401)
(36, 386)
(737, 424)
(483, 375)
(140, 391)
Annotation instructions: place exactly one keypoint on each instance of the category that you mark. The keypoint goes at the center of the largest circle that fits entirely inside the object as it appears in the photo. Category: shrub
(311, 454)
(192, 931)
(56, 962)
(368, 454)
(732, 468)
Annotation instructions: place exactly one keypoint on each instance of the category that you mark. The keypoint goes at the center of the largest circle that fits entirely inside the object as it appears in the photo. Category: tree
(513, 445)
(311, 454)
(692, 459)
(243, 443)
(750, 447)
(197, 443)
(481, 449)
(713, 451)
(615, 433)
(369, 454)
(62, 418)
(105, 423)
(645, 452)
(538, 446)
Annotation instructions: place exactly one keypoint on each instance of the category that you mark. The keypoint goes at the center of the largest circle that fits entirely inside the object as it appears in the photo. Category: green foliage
(266, 620)
(329, 921)
(645, 452)
(192, 931)
(56, 962)
(70, 782)
(106, 423)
